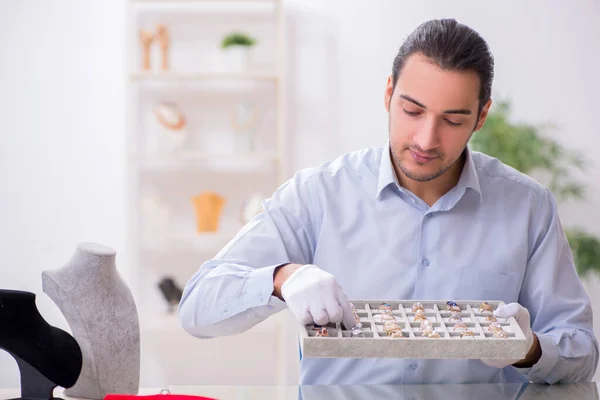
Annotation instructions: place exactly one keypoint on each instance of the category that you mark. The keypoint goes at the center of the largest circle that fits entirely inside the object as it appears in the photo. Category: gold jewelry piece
(426, 325)
(455, 317)
(491, 318)
(485, 307)
(420, 316)
(452, 306)
(417, 306)
(388, 317)
(385, 307)
(467, 333)
(322, 332)
(397, 334)
(390, 326)
(460, 325)
(494, 327)
(431, 334)
(500, 335)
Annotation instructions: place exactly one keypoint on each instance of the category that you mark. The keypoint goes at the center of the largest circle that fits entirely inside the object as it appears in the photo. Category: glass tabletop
(486, 391)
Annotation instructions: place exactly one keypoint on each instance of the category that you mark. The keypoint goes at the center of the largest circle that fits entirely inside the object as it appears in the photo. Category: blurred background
(156, 127)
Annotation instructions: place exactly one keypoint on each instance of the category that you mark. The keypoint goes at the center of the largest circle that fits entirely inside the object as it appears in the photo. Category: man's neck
(431, 191)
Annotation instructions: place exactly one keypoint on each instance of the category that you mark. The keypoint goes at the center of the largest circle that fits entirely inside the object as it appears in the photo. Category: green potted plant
(526, 148)
(236, 48)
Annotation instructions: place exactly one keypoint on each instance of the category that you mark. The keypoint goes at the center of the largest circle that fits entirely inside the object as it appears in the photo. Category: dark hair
(452, 46)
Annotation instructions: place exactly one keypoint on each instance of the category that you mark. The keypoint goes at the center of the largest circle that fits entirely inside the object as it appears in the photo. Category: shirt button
(425, 262)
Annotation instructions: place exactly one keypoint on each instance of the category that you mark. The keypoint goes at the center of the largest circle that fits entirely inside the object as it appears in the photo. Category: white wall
(62, 98)
(62, 105)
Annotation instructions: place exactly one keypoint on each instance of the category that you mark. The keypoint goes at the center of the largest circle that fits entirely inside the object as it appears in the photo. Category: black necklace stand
(47, 356)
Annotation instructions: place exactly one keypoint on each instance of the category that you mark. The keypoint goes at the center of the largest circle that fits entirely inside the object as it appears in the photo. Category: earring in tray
(416, 307)
(452, 306)
(455, 317)
(485, 306)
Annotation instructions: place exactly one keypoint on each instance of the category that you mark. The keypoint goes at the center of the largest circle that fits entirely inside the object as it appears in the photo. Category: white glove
(522, 316)
(314, 295)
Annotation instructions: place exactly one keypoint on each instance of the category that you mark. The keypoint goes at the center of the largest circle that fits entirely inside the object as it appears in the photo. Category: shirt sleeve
(561, 314)
(233, 292)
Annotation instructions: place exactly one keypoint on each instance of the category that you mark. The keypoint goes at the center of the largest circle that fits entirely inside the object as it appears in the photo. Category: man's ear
(483, 115)
(389, 90)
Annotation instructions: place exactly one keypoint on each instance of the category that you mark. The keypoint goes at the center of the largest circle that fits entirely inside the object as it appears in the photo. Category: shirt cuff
(540, 371)
(260, 286)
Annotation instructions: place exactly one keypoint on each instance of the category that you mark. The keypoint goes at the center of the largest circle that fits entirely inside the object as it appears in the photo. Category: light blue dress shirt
(496, 236)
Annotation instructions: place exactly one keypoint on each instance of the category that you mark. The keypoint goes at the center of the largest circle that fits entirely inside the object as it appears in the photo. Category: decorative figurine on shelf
(243, 119)
(172, 126)
(251, 207)
(171, 292)
(147, 38)
(208, 207)
(162, 35)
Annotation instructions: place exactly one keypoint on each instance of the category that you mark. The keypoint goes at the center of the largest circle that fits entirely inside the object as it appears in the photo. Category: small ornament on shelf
(236, 49)
(171, 126)
(243, 120)
(154, 213)
(208, 207)
(171, 292)
(251, 207)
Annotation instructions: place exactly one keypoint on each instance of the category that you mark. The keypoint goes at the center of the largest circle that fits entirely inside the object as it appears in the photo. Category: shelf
(222, 162)
(175, 77)
(201, 243)
(229, 6)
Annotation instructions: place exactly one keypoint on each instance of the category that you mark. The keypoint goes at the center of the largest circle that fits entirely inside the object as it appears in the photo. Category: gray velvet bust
(102, 315)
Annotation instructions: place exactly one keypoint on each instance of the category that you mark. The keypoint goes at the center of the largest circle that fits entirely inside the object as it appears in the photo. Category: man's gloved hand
(522, 316)
(314, 295)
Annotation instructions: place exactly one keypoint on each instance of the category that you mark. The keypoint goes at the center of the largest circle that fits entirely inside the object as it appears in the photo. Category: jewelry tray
(376, 343)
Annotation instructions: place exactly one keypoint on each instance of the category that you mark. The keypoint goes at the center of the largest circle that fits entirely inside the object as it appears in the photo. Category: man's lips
(420, 157)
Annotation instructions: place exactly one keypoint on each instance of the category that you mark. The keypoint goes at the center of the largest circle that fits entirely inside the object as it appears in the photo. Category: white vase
(236, 58)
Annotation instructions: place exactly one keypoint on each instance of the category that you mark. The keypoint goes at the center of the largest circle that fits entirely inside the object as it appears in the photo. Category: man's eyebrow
(406, 97)
(464, 111)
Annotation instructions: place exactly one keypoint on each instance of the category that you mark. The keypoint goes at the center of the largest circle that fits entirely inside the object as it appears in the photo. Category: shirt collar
(468, 177)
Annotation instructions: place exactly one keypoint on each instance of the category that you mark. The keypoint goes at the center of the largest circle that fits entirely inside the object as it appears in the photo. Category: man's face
(432, 115)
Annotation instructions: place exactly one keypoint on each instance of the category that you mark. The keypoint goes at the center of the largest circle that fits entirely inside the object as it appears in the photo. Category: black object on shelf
(47, 356)
(171, 292)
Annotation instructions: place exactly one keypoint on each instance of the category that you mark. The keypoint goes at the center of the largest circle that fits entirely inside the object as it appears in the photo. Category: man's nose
(426, 137)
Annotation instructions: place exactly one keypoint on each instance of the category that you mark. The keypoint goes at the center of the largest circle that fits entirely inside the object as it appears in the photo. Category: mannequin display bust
(47, 356)
(101, 311)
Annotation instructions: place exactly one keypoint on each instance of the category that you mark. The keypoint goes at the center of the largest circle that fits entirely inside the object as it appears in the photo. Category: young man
(422, 218)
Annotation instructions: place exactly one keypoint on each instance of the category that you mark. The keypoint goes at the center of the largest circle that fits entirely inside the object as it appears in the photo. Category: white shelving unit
(163, 241)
